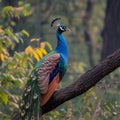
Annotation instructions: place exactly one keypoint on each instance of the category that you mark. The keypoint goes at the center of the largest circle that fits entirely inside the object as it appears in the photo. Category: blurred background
(26, 36)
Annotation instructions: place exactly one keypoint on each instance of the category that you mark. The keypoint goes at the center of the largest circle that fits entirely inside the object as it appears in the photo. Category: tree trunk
(111, 32)
(87, 33)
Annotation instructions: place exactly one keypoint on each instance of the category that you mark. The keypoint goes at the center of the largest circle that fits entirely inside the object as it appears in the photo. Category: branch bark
(84, 82)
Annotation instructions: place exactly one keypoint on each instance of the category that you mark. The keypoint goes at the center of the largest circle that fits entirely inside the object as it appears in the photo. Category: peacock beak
(67, 29)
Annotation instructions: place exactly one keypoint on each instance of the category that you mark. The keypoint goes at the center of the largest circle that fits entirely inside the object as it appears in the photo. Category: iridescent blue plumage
(45, 78)
(62, 49)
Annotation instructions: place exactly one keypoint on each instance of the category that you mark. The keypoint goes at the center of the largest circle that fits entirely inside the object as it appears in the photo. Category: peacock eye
(22, 113)
(35, 96)
(27, 105)
(26, 118)
(22, 103)
(62, 28)
(32, 118)
(29, 89)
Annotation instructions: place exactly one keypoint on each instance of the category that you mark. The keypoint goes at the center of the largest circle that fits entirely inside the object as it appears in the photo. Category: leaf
(25, 33)
(18, 35)
(36, 56)
(39, 52)
(28, 50)
(8, 39)
(2, 57)
(5, 52)
(1, 30)
(16, 38)
(48, 45)
(35, 39)
(43, 51)
(14, 105)
(42, 44)
(7, 10)
(4, 97)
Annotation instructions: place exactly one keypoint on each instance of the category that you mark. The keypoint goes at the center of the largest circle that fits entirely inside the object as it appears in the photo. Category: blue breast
(62, 49)
(62, 46)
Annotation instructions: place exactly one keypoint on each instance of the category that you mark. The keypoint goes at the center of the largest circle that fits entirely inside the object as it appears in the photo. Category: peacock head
(60, 27)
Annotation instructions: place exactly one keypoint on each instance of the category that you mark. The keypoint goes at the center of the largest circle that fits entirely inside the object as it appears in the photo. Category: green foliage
(14, 72)
(15, 68)
(22, 10)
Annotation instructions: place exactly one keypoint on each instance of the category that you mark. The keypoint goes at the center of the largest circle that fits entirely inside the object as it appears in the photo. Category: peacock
(45, 77)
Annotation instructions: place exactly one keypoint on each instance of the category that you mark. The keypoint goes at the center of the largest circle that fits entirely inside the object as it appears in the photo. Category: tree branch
(84, 82)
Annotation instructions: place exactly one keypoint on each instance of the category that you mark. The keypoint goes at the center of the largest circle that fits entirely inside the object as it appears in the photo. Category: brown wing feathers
(46, 68)
(51, 89)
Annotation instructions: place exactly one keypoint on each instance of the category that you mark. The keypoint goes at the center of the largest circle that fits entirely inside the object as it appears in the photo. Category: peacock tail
(30, 103)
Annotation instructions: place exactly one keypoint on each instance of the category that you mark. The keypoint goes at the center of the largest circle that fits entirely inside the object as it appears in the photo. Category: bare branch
(84, 82)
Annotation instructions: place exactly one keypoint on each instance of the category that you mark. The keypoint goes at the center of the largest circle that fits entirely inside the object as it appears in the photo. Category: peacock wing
(47, 67)
(37, 85)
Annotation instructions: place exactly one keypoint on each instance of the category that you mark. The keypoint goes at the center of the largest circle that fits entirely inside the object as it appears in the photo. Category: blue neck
(62, 47)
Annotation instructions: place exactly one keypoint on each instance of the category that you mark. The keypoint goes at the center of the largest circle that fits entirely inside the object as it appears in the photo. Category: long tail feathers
(30, 104)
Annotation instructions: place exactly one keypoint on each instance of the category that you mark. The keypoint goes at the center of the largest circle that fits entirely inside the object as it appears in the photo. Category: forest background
(26, 35)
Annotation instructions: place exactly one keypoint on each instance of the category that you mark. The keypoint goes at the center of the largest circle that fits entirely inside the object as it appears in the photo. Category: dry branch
(84, 82)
